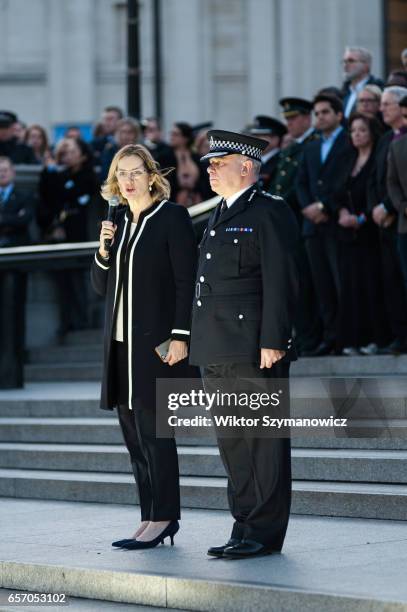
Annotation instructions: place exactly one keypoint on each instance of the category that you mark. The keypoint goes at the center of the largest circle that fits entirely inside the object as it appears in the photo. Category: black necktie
(222, 206)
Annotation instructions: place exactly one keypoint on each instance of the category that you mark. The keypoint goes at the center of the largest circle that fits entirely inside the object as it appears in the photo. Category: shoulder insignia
(270, 195)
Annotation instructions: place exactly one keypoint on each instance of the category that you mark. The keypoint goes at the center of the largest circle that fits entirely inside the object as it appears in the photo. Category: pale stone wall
(225, 60)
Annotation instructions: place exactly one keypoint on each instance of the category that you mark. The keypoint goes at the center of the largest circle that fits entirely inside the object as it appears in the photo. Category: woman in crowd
(36, 137)
(66, 191)
(189, 182)
(148, 280)
(361, 319)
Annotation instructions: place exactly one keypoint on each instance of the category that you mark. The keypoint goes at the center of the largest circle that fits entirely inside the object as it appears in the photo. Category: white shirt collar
(360, 85)
(269, 155)
(305, 135)
(235, 196)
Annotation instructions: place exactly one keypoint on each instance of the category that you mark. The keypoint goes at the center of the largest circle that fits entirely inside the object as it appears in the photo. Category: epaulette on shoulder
(270, 195)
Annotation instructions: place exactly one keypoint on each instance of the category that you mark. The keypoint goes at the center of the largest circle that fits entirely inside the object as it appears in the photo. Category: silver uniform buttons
(199, 303)
(235, 241)
(201, 279)
(212, 232)
(208, 256)
(241, 316)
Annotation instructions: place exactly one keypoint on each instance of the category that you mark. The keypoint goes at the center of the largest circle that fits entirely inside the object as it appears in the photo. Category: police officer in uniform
(297, 113)
(271, 131)
(241, 330)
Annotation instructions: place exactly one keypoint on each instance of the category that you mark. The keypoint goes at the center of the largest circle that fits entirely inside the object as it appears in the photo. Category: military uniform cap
(267, 125)
(295, 106)
(7, 118)
(223, 143)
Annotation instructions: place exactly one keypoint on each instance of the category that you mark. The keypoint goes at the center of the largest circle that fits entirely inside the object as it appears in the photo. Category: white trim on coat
(130, 300)
(180, 331)
(118, 265)
(100, 265)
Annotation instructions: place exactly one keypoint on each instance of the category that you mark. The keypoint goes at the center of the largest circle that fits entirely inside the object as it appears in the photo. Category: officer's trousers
(258, 468)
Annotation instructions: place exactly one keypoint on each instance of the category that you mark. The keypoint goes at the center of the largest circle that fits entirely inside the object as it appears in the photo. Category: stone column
(71, 54)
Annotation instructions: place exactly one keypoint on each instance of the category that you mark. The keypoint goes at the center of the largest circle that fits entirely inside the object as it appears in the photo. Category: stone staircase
(55, 443)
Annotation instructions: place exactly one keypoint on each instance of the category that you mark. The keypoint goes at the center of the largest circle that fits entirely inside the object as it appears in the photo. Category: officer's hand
(107, 232)
(312, 211)
(270, 356)
(177, 351)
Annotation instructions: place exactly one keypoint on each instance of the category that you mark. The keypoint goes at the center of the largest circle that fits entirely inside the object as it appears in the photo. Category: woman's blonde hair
(160, 185)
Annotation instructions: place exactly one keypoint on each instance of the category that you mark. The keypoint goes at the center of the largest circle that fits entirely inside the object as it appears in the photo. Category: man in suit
(272, 131)
(297, 113)
(384, 214)
(16, 213)
(397, 187)
(241, 335)
(357, 63)
(317, 181)
(17, 152)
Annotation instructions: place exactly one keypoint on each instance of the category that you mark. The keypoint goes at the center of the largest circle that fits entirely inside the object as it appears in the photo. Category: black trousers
(258, 468)
(323, 258)
(154, 460)
(13, 289)
(393, 284)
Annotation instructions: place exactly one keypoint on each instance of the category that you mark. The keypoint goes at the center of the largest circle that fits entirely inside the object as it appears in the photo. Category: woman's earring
(150, 188)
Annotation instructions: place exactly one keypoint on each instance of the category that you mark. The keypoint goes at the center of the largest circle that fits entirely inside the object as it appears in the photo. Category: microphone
(111, 215)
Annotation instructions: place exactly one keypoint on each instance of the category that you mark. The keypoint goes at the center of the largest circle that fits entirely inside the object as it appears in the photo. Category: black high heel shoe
(168, 532)
(120, 543)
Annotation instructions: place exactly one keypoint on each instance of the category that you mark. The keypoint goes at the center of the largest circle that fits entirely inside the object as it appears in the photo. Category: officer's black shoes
(246, 549)
(325, 348)
(217, 551)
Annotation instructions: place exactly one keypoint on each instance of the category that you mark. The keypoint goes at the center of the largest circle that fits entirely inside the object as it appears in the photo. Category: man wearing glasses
(357, 63)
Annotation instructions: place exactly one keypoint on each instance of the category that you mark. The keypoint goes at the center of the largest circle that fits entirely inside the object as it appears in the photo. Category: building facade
(62, 61)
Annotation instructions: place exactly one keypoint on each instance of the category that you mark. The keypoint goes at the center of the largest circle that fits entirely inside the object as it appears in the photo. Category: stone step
(69, 369)
(66, 354)
(363, 500)
(327, 564)
(106, 431)
(90, 371)
(341, 465)
(374, 365)
(84, 337)
(76, 604)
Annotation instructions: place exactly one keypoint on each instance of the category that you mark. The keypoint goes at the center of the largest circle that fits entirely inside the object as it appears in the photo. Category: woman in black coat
(361, 322)
(66, 192)
(148, 280)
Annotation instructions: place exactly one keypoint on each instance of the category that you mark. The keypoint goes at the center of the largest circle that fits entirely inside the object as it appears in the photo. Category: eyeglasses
(350, 60)
(368, 101)
(122, 175)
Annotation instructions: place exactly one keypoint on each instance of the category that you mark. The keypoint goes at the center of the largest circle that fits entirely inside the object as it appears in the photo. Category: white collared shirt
(353, 95)
(269, 155)
(235, 196)
(305, 135)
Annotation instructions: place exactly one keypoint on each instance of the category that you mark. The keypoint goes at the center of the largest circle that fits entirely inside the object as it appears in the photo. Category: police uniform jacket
(156, 269)
(247, 282)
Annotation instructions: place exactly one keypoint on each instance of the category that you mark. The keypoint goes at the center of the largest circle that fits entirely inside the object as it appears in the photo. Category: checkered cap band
(235, 147)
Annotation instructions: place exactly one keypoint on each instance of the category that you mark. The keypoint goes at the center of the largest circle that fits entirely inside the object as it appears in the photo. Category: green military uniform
(307, 323)
(283, 183)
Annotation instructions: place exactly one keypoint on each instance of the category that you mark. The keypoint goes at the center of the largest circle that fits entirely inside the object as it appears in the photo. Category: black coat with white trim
(247, 282)
(156, 269)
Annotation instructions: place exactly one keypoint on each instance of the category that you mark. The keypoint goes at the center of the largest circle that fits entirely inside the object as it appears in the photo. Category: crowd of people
(337, 160)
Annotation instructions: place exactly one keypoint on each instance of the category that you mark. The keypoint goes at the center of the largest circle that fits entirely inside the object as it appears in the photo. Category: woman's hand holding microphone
(106, 233)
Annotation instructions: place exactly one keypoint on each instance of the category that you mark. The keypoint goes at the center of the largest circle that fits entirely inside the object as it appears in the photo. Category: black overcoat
(247, 285)
(156, 269)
